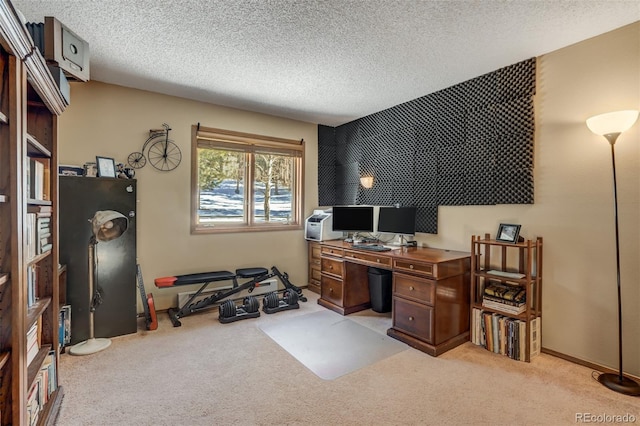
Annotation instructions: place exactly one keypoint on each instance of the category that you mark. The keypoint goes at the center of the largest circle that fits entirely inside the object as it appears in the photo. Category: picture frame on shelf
(106, 167)
(508, 233)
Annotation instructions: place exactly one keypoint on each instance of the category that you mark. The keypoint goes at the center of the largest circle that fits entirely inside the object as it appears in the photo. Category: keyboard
(370, 247)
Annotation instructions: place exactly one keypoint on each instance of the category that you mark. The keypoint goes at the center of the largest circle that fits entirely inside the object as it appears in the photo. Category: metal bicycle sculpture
(163, 153)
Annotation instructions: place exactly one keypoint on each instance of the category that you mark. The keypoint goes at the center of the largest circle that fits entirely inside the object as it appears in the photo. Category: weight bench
(254, 275)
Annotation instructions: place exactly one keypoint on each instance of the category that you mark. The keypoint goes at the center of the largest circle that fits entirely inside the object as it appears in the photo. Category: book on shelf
(505, 291)
(32, 285)
(505, 297)
(505, 335)
(40, 209)
(31, 237)
(38, 231)
(64, 332)
(35, 179)
(32, 343)
(48, 374)
(33, 407)
(534, 344)
(503, 301)
(509, 309)
(38, 178)
(500, 273)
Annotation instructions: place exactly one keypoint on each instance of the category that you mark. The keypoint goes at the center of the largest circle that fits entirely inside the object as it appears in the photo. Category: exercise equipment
(255, 277)
(229, 312)
(271, 303)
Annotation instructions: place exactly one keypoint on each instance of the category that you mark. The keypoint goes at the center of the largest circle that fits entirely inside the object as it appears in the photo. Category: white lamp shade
(366, 181)
(108, 225)
(612, 122)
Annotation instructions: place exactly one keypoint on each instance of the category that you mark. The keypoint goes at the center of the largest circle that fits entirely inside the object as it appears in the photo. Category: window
(244, 182)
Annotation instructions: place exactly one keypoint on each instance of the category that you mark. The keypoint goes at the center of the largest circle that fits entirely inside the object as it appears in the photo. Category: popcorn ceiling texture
(326, 62)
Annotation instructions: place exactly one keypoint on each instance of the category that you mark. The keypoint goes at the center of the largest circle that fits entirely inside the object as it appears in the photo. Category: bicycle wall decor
(163, 153)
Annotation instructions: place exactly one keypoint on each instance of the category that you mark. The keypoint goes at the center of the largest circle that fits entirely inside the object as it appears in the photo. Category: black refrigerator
(115, 273)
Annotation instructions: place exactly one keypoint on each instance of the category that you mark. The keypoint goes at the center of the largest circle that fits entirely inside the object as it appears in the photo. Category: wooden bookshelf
(30, 104)
(513, 266)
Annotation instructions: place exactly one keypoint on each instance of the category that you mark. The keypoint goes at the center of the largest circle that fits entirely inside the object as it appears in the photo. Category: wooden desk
(430, 308)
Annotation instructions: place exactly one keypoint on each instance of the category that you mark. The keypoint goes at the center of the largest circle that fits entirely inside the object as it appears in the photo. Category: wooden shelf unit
(523, 258)
(30, 103)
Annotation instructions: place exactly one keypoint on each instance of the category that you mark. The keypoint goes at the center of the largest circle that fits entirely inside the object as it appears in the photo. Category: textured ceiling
(326, 62)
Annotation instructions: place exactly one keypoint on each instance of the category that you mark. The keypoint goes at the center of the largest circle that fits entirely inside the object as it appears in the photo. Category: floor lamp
(611, 125)
(106, 225)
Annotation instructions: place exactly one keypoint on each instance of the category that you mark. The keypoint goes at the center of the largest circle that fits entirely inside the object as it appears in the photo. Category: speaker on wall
(66, 49)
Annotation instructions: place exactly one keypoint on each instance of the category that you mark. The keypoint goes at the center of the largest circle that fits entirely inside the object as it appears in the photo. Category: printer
(319, 226)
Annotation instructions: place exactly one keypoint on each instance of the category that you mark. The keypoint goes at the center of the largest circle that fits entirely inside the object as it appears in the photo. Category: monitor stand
(352, 238)
(403, 242)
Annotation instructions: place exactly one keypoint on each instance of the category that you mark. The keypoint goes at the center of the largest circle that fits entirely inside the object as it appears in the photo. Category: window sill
(227, 229)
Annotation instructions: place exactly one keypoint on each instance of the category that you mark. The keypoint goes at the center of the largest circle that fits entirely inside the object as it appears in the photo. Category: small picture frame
(508, 233)
(106, 167)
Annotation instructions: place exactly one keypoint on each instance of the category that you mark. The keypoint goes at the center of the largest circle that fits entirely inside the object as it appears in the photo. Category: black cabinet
(80, 199)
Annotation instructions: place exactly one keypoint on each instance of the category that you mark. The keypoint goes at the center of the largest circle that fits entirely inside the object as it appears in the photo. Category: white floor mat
(330, 344)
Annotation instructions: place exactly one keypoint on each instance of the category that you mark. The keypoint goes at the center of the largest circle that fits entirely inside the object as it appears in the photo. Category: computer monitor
(353, 218)
(397, 220)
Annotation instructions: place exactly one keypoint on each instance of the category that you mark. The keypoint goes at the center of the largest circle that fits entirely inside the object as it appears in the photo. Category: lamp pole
(611, 125)
(612, 137)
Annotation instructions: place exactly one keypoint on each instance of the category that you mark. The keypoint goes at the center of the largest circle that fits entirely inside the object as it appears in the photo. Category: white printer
(319, 226)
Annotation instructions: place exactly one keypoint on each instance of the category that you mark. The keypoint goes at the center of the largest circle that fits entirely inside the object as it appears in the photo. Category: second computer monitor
(397, 220)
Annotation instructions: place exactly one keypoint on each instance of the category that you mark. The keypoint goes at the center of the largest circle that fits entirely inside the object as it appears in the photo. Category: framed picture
(106, 167)
(508, 233)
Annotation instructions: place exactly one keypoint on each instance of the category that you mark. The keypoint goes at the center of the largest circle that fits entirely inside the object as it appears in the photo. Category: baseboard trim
(584, 363)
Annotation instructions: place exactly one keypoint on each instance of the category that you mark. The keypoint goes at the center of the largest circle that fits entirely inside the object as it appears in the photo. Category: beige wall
(573, 208)
(114, 121)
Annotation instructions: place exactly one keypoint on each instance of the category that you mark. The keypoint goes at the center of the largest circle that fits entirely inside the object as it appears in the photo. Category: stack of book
(39, 217)
(505, 297)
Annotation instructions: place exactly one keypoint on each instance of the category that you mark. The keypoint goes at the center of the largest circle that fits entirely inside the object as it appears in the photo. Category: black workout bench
(255, 276)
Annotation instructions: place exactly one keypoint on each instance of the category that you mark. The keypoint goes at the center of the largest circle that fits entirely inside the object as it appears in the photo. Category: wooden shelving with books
(506, 296)
(30, 103)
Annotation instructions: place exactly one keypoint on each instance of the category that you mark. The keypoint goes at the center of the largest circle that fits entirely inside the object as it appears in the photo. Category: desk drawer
(332, 266)
(314, 274)
(331, 290)
(332, 251)
(373, 258)
(413, 318)
(425, 269)
(315, 252)
(414, 288)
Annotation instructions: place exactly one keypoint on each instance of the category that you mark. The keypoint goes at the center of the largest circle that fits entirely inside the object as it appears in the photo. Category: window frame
(248, 143)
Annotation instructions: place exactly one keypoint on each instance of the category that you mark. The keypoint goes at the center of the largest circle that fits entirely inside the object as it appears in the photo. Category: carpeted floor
(207, 373)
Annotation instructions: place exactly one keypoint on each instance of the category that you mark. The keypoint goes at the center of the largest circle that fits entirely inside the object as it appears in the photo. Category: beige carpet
(207, 373)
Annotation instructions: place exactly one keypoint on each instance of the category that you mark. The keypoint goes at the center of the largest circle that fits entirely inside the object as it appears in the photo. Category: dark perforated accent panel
(326, 166)
(427, 219)
(469, 144)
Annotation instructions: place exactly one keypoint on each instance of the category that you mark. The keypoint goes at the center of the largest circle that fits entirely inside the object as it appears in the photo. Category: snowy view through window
(225, 203)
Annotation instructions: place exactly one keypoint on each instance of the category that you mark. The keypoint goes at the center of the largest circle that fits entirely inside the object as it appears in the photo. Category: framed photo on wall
(508, 233)
(106, 167)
